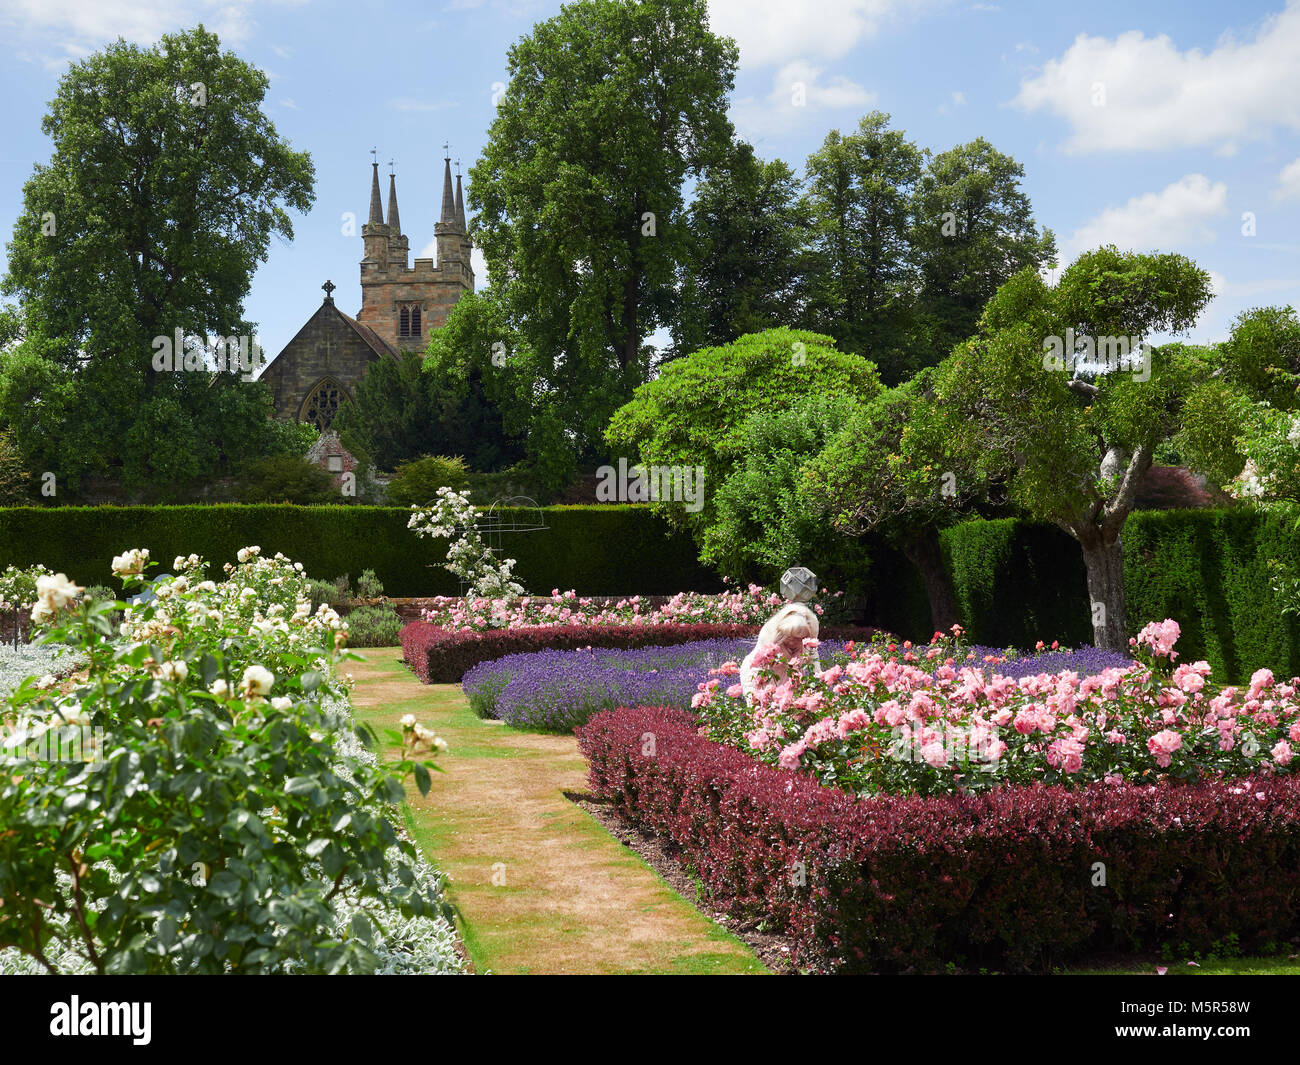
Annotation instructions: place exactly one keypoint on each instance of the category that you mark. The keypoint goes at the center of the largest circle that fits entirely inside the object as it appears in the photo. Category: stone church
(322, 365)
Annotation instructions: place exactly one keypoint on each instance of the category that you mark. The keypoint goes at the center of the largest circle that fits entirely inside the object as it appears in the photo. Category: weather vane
(390, 167)
(374, 152)
(446, 147)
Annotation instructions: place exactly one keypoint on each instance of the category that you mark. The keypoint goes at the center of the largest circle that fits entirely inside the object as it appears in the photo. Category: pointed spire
(376, 205)
(460, 202)
(448, 197)
(394, 222)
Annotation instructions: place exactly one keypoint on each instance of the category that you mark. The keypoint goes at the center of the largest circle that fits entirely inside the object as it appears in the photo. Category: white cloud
(797, 92)
(1158, 97)
(77, 27)
(778, 31)
(1288, 182)
(1168, 220)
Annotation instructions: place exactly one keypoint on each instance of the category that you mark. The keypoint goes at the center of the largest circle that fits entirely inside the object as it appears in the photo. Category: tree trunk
(1103, 555)
(923, 551)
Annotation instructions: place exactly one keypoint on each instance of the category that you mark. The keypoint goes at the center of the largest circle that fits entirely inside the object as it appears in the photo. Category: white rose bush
(197, 799)
(451, 514)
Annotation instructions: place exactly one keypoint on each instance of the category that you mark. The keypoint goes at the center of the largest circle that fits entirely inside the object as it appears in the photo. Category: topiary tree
(692, 414)
(1073, 438)
(887, 472)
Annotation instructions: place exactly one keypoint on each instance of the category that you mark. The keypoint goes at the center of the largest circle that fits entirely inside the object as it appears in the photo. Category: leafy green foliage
(288, 479)
(610, 107)
(216, 819)
(763, 523)
(374, 626)
(861, 277)
(1072, 442)
(749, 228)
(416, 482)
(692, 413)
(599, 550)
(973, 230)
(164, 189)
(15, 480)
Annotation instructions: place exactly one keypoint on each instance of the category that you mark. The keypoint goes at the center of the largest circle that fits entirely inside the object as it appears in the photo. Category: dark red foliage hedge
(1009, 879)
(439, 656)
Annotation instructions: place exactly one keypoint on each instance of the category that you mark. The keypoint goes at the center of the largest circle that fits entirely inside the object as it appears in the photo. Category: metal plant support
(492, 526)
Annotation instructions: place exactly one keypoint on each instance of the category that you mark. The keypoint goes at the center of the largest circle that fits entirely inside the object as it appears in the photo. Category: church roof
(372, 340)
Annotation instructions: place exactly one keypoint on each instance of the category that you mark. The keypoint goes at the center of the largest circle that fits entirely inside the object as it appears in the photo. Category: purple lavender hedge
(558, 691)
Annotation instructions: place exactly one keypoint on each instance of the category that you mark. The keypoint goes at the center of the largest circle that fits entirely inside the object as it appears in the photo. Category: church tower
(402, 301)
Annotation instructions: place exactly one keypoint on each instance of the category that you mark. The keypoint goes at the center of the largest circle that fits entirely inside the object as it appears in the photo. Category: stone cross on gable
(329, 288)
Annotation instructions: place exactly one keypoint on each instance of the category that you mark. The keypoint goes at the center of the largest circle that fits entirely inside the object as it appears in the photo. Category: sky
(1152, 125)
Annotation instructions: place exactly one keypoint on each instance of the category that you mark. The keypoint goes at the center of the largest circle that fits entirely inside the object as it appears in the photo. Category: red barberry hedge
(1015, 879)
(439, 656)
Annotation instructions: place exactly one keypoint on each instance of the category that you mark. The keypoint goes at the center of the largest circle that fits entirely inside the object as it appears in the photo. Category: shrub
(416, 482)
(1005, 879)
(287, 479)
(369, 586)
(437, 656)
(374, 626)
(208, 807)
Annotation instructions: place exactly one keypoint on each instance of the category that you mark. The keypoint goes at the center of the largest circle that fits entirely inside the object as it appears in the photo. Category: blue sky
(1151, 125)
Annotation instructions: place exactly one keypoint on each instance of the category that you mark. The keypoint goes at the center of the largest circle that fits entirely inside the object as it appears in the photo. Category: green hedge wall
(1208, 570)
(598, 550)
(1018, 582)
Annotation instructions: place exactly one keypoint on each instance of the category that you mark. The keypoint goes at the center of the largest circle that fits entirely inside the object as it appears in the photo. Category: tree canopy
(165, 186)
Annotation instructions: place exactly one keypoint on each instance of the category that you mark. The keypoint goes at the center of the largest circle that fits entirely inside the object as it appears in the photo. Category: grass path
(541, 886)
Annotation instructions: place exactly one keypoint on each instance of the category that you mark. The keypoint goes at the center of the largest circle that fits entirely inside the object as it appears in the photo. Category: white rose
(56, 590)
(257, 680)
(282, 702)
(219, 688)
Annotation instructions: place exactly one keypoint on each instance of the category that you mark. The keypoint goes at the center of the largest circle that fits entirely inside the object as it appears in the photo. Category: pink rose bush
(742, 606)
(903, 720)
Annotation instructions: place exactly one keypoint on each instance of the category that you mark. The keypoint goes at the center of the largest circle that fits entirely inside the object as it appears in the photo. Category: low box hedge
(438, 656)
(1017, 879)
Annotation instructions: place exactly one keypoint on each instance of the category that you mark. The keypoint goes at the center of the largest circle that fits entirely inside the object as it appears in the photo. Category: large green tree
(611, 106)
(1074, 434)
(166, 184)
(694, 412)
(972, 229)
(399, 413)
(860, 282)
(749, 226)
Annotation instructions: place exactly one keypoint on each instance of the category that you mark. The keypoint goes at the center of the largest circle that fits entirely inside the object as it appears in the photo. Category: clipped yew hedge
(597, 550)
(1017, 582)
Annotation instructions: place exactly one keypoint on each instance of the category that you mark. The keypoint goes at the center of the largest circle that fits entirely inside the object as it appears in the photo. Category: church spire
(460, 202)
(394, 224)
(448, 197)
(376, 205)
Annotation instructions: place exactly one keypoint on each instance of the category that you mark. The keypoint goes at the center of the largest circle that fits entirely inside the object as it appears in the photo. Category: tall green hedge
(1018, 582)
(598, 550)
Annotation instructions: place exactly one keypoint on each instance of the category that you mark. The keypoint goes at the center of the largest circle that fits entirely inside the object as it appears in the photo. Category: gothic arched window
(415, 321)
(322, 403)
(404, 328)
